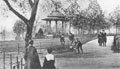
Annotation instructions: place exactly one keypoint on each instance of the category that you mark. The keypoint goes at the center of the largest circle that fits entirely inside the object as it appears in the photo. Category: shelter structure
(56, 16)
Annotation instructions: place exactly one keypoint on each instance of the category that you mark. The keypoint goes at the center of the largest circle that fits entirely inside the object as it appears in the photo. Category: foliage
(40, 34)
(91, 18)
(114, 17)
(19, 27)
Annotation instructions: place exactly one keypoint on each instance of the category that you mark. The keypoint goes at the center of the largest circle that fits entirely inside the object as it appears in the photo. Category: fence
(16, 64)
(11, 50)
(15, 49)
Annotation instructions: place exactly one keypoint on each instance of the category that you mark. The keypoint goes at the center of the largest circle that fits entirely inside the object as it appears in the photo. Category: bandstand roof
(55, 15)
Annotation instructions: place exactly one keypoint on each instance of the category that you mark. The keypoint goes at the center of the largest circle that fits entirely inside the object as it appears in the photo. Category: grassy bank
(18, 46)
(82, 38)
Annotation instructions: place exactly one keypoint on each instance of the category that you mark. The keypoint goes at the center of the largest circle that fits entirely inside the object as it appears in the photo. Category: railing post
(40, 48)
(3, 59)
(115, 41)
(118, 46)
(13, 67)
(17, 63)
(1, 47)
(10, 61)
(40, 45)
(18, 48)
(21, 63)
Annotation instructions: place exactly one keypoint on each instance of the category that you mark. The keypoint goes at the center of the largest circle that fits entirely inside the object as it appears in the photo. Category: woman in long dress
(31, 57)
(100, 41)
(49, 61)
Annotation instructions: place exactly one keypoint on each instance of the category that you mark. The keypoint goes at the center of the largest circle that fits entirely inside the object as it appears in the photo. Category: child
(49, 60)
(71, 38)
(62, 39)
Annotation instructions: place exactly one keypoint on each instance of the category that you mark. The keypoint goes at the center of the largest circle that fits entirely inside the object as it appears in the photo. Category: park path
(94, 57)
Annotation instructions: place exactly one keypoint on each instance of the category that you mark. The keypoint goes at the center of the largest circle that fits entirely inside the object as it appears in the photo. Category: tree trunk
(109, 31)
(28, 35)
(18, 37)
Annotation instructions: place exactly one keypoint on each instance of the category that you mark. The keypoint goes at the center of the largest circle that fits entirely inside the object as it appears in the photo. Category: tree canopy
(19, 27)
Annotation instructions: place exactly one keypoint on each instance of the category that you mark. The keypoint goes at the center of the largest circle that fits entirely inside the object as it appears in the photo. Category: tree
(93, 11)
(114, 17)
(3, 34)
(19, 28)
(29, 22)
(72, 12)
(33, 4)
(40, 34)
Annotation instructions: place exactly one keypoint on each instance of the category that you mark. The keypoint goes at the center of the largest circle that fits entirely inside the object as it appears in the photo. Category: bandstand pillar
(62, 26)
(49, 26)
(56, 25)
(65, 27)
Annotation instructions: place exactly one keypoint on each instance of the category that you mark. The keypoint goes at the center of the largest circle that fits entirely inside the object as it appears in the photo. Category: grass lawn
(41, 45)
(54, 43)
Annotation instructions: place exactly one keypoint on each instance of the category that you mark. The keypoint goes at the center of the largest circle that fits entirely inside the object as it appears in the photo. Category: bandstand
(56, 16)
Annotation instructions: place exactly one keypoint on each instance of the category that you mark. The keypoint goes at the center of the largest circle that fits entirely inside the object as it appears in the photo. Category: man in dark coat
(104, 38)
(100, 41)
(71, 38)
(31, 57)
(78, 45)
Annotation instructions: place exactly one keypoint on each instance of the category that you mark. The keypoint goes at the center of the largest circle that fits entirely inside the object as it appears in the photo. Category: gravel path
(94, 57)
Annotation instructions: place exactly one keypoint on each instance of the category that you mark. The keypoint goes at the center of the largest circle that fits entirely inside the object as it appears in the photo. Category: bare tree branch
(15, 12)
(34, 11)
(31, 3)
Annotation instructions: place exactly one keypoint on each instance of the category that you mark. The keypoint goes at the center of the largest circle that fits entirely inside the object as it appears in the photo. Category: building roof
(55, 15)
(55, 18)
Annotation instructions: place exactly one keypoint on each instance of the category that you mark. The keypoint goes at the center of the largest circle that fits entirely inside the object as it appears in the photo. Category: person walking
(78, 45)
(71, 38)
(31, 57)
(49, 61)
(100, 41)
(104, 38)
(62, 40)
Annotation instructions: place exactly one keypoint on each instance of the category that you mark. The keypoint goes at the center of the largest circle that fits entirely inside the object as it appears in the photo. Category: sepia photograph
(59, 34)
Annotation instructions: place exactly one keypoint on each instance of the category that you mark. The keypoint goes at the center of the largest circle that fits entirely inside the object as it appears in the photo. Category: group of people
(102, 39)
(32, 58)
(76, 44)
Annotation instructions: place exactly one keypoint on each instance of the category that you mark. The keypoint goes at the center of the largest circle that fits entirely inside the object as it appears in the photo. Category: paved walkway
(94, 57)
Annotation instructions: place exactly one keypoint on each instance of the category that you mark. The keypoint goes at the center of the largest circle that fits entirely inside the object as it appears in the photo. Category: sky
(109, 5)
(106, 5)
